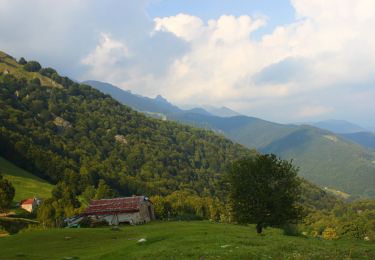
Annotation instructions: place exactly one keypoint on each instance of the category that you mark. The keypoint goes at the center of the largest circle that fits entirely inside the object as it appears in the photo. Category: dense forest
(74, 133)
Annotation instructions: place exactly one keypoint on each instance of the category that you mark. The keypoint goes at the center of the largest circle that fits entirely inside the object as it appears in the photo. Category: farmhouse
(133, 210)
(30, 205)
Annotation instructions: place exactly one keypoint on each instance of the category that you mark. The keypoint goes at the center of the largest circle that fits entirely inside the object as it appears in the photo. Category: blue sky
(286, 61)
(280, 11)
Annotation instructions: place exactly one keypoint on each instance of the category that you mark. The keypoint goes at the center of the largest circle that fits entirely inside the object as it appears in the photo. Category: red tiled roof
(118, 205)
(27, 201)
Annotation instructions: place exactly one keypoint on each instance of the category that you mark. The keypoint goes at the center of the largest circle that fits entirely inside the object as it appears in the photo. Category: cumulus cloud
(329, 46)
(108, 54)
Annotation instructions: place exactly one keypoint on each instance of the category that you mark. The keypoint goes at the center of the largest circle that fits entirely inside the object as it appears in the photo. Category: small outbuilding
(133, 210)
(30, 205)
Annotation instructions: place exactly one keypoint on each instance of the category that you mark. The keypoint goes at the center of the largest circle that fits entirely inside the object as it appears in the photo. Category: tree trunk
(259, 228)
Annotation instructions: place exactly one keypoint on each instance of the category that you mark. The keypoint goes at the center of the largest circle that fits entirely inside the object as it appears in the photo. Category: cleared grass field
(26, 184)
(177, 240)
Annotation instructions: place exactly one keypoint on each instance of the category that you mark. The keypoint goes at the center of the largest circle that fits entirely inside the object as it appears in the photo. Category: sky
(280, 60)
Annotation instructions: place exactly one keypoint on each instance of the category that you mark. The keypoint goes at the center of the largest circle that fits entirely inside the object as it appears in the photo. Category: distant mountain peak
(160, 98)
(221, 111)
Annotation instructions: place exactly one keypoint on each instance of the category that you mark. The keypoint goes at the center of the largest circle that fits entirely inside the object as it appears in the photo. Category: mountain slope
(328, 160)
(322, 156)
(26, 184)
(78, 135)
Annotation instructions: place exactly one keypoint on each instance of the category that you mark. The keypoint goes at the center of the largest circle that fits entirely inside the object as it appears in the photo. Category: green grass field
(177, 240)
(26, 184)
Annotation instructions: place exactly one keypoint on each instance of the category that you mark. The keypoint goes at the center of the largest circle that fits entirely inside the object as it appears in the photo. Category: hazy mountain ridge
(339, 126)
(221, 111)
(366, 139)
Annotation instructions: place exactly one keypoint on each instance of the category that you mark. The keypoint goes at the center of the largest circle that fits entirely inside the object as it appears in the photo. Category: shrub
(291, 230)
(35, 81)
(32, 66)
(329, 234)
(48, 72)
(22, 61)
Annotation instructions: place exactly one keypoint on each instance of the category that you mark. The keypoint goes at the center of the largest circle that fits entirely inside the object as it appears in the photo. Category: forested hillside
(324, 158)
(73, 133)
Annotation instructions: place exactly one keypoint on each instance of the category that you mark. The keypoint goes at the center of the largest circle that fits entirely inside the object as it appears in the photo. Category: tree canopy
(32, 66)
(22, 61)
(264, 190)
(7, 193)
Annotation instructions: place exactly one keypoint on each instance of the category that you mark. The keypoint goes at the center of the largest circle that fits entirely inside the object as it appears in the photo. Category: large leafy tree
(7, 193)
(264, 191)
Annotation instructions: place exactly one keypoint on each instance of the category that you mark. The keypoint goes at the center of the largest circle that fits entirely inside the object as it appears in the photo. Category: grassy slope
(177, 240)
(10, 65)
(26, 184)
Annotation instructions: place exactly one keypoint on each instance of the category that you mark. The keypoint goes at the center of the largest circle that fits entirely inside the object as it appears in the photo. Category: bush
(32, 66)
(7, 193)
(35, 81)
(329, 234)
(22, 61)
(291, 230)
(48, 72)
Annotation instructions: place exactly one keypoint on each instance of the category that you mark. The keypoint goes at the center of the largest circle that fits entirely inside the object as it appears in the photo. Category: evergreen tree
(264, 191)
(22, 61)
(7, 193)
(32, 66)
(104, 191)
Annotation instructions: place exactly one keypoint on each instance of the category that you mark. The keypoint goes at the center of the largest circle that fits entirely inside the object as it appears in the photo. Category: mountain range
(324, 157)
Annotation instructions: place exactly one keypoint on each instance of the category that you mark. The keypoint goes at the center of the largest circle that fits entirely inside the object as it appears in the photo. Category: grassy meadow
(26, 184)
(177, 240)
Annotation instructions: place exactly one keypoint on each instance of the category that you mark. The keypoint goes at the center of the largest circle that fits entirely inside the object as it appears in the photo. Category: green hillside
(26, 184)
(9, 65)
(78, 135)
(329, 160)
(177, 240)
(323, 157)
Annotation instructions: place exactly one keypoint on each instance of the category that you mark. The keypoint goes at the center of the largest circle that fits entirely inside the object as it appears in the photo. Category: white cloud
(108, 55)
